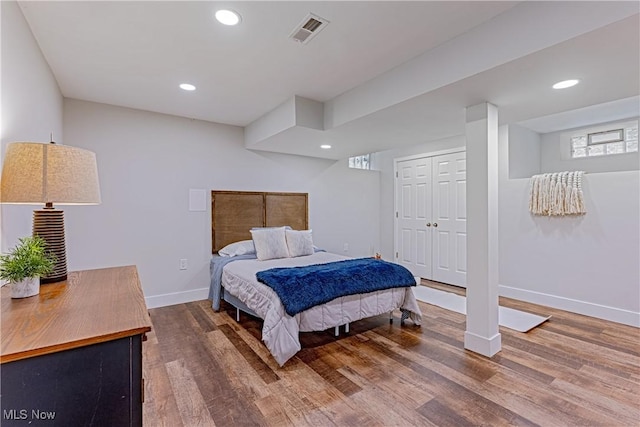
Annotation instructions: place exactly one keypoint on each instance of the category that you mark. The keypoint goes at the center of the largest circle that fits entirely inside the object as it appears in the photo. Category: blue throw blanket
(301, 288)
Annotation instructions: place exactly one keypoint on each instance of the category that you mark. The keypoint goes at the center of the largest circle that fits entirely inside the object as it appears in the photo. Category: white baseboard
(482, 345)
(613, 314)
(176, 298)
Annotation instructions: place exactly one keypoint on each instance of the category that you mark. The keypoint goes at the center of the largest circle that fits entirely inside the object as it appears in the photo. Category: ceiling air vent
(308, 28)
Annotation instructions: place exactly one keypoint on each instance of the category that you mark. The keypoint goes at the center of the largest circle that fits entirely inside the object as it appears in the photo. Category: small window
(606, 141)
(360, 162)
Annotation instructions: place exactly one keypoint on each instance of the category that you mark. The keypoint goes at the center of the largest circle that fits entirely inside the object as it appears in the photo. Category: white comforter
(280, 331)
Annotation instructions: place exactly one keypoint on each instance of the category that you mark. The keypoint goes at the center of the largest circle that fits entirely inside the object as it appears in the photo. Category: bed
(234, 278)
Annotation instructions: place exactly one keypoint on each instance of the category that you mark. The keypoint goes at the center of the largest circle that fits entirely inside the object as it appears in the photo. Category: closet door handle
(435, 224)
(428, 224)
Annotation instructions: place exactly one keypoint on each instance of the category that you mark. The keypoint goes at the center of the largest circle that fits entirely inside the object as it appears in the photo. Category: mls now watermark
(25, 414)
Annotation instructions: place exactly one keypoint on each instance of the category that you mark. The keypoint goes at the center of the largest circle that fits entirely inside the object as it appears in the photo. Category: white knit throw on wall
(557, 194)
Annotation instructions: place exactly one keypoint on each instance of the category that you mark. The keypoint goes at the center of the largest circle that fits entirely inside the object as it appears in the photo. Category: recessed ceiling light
(227, 17)
(565, 84)
(187, 86)
(325, 146)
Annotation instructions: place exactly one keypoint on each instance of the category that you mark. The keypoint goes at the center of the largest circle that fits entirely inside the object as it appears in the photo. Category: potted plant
(24, 265)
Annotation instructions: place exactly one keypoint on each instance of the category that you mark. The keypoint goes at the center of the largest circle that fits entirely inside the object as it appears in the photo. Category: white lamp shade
(36, 173)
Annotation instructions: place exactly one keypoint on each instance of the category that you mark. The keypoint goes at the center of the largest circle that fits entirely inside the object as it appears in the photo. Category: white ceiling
(387, 73)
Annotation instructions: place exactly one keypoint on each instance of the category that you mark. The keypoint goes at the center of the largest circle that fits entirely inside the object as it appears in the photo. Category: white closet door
(449, 219)
(413, 192)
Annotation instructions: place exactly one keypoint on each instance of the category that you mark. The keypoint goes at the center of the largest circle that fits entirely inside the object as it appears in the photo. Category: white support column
(482, 334)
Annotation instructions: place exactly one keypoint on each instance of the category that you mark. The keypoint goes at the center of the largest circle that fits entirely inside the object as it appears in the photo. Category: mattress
(280, 331)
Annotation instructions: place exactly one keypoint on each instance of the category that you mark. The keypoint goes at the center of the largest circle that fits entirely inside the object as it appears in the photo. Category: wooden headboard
(234, 213)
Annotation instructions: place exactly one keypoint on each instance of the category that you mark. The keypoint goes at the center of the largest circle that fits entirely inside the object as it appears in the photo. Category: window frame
(591, 145)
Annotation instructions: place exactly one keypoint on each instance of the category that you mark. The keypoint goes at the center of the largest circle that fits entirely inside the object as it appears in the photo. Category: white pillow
(270, 243)
(300, 243)
(286, 227)
(242, 247)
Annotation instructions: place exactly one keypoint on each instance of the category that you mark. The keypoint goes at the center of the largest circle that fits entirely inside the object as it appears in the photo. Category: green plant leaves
(29, 258)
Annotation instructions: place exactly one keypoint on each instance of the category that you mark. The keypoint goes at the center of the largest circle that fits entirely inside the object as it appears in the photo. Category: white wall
(524, 152)
(147, 162)
(31, 106)
(586, 264)
(384, 162)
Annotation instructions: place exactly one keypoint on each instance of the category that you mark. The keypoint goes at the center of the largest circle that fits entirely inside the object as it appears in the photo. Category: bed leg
(346, 328)
(391, 317)
(336, 331)
(237, 315)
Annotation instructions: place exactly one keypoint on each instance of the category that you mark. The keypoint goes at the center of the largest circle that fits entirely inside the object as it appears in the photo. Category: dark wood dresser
(72, 356)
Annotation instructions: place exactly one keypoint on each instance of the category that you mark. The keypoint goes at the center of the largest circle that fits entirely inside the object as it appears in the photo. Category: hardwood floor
(202, 368)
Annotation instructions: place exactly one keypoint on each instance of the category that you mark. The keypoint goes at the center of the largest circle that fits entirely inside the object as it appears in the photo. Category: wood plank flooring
(202, 368)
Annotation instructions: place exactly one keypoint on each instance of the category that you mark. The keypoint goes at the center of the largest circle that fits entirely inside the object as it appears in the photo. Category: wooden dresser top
(90, 307)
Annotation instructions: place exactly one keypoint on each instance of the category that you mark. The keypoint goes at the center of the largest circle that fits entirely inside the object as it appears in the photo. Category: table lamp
(37, 173)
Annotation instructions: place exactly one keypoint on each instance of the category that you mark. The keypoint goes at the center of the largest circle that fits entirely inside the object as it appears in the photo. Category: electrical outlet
(345, 247)
(183, 264)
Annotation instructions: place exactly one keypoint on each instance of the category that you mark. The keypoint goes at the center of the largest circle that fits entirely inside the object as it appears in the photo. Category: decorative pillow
(270, 243)
(242, 247)
(300, 243)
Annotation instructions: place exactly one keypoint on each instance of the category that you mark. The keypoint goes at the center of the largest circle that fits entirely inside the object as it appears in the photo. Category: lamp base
(49, 225)
(45, 280)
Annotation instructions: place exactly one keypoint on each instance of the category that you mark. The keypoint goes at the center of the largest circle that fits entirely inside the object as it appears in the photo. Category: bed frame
(234, 213)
